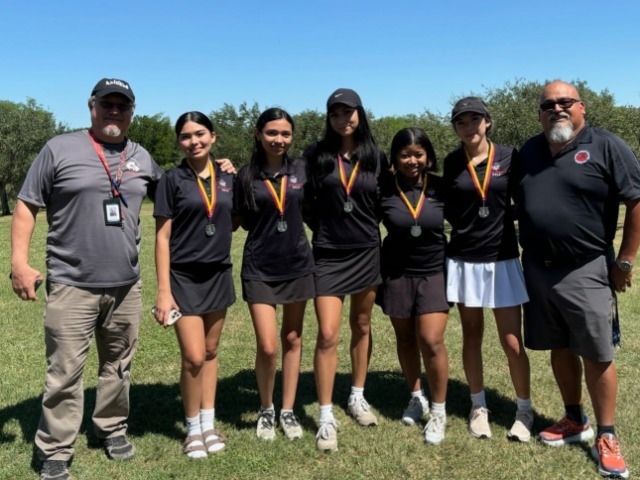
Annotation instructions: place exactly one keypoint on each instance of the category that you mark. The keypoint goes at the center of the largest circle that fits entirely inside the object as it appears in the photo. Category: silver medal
(416, 231)
(348, 206)
(483, 211)
(210, 230)
(281, 226)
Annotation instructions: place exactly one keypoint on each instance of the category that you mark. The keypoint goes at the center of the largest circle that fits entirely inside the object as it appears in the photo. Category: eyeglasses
(564, 103)
(122, 107)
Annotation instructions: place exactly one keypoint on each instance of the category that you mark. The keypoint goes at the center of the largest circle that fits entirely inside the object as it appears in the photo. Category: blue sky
(401, 56)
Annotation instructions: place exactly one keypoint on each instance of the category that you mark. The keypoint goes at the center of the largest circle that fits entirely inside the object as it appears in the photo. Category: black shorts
(346, 271)
(200, 289)
(570, 307)
(280, 292)
(407, 297)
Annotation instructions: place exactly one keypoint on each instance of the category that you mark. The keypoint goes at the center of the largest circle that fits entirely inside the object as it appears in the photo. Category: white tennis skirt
(491, 285)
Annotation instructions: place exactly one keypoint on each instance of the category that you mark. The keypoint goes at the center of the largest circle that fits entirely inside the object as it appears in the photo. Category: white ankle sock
(438, 408)
(478, 399)
(326, 413)
(523, 404)
(207, 418)
(193, 425)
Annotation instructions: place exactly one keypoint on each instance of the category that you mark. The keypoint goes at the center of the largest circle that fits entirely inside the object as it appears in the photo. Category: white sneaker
(415, 410)
(434, 431)
(327, 436)
(521, 429)
(479, 423)
(290, 425)
(359, 409)
(266, 429)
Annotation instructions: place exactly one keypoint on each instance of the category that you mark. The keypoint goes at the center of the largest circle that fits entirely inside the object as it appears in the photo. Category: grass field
(391, 450)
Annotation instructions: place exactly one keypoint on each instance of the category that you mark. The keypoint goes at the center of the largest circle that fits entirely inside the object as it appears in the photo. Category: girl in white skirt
(483, 268)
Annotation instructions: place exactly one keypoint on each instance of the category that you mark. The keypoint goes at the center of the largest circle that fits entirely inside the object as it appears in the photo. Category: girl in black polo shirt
(344, 169)
(277, 264)
(413, 288)
(193, 240)
(483, 268)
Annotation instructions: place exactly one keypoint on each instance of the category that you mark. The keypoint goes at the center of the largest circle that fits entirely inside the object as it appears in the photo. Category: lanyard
(348, 185)
(281, 199)
(484, 188)
(115, 182)
(415, 211)
(209, 202)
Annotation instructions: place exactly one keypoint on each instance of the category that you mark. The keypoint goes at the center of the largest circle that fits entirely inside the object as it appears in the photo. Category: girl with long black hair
(277, 265)
(344, 170)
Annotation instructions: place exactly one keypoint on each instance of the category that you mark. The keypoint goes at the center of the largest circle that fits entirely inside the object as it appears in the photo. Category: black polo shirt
(473, 238)
(178, 198)
(568, 204)
(270, 255)
(332, 226)
(402, 253)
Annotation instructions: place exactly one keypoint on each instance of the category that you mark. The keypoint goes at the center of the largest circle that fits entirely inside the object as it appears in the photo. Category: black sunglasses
(122, 107)
(563, 102)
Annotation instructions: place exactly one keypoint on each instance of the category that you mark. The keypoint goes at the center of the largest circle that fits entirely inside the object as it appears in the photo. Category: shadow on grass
(157, 408)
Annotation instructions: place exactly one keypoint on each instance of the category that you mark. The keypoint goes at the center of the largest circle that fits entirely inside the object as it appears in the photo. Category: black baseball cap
(107, 86)
(345, 96)
(469, 104)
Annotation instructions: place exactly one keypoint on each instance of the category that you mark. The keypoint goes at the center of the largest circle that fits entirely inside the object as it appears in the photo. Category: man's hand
(23, 282)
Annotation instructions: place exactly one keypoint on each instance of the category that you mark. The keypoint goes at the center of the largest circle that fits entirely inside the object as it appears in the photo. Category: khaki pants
(72, 316)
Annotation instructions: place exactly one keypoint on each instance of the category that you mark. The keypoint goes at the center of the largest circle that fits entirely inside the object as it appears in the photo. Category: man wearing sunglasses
(571, 180)
(92, 184)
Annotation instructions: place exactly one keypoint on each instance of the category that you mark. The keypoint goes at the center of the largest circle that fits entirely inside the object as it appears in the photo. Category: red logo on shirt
(582, 156)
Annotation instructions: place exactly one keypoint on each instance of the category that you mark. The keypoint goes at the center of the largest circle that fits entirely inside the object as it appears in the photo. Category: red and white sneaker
(566, 431)
(606, 451)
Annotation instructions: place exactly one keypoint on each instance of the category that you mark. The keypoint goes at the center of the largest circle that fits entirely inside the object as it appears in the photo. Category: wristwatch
(624, 265)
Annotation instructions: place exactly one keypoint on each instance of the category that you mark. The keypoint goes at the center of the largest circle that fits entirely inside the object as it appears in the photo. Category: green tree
(24, 129)
(384, 129)
(234, 131)
(514, 110)
(309, 129)
(155, 133)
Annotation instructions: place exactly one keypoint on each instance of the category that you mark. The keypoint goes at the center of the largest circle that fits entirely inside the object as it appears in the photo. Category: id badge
(112, 215)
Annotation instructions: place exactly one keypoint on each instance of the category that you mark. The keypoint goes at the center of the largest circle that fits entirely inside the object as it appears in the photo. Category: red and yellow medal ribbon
(348, 185)
(484, 188)
(279, 200)
(415, 211)
(209, 201)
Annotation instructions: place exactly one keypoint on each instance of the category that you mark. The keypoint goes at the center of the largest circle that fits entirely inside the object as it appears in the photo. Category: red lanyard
(348, 184)
(484, 188)
(209, 202)
(115, 182)
(281, 199)
(415, 211)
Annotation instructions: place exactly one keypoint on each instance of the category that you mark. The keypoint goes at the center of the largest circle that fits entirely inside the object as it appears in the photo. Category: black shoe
(54, 470)
(119, 448)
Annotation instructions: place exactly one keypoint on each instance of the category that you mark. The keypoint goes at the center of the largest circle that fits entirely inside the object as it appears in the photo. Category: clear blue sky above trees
(403, 56)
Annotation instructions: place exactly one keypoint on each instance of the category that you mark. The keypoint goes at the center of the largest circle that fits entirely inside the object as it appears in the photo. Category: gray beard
(111, 131)
(561, 134)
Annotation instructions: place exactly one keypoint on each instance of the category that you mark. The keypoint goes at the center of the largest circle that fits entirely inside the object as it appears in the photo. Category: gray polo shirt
(69, 180)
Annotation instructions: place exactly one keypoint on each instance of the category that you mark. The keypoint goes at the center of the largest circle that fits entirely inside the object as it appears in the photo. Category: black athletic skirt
(346, 271)
(279, 292)
(201, 288)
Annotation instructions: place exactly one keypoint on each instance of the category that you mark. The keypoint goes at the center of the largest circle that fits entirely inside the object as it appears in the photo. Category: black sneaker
(54, 470)
(119, 448)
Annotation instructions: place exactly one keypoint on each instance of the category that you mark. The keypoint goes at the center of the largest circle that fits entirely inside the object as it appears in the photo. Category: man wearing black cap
(92, 184)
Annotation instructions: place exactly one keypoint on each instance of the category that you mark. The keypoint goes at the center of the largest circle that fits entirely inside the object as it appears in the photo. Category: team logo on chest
(132, 165)
(223, 185)
(496, 170)
(582, 157)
